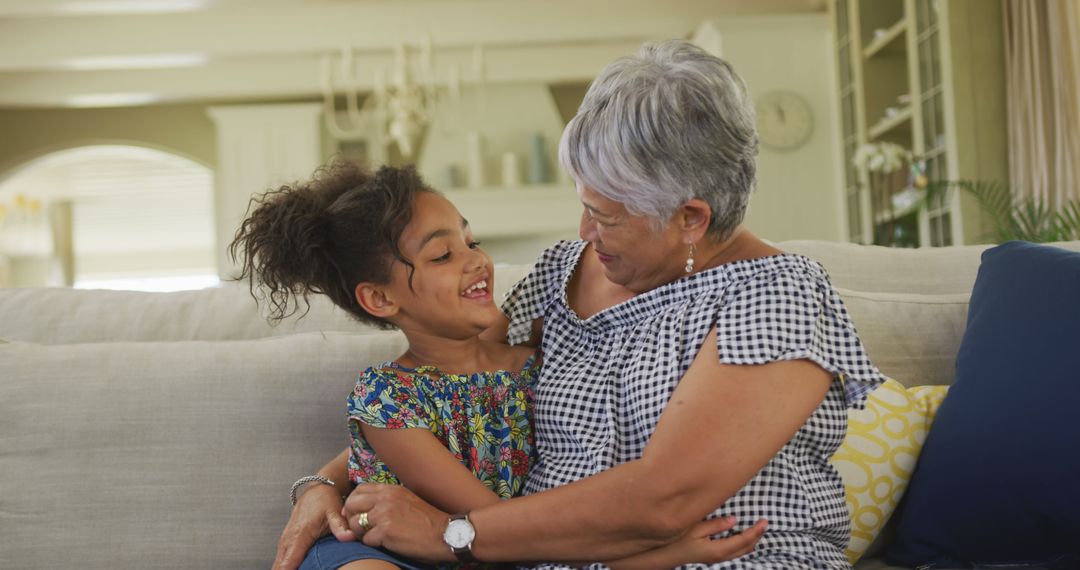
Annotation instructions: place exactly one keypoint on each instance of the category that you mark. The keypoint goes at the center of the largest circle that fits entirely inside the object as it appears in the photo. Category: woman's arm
(317, 510)
(721, 426)
(429, 470)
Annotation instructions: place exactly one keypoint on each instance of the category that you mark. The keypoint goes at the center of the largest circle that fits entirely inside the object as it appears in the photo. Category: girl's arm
(721, 426)
(425, 466)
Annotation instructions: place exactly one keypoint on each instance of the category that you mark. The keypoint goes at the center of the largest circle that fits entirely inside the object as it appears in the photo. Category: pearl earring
(690, 260)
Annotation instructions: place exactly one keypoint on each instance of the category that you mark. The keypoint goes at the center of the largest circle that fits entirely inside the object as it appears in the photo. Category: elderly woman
(691, 369)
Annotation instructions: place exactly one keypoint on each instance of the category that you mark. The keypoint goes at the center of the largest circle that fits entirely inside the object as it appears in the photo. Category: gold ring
(362, 520)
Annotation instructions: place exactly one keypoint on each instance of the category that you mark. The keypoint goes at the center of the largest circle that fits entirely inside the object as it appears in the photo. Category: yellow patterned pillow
(879, 454)
(929, 399)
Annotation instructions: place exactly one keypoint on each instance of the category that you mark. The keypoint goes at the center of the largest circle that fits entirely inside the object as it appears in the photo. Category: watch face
(459, 533)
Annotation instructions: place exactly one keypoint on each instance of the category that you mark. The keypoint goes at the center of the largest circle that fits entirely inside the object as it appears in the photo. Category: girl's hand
(696, 547)
(317, 511)
(398, 520)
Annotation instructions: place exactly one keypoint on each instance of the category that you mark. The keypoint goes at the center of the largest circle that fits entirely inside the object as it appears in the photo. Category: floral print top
(482, 418)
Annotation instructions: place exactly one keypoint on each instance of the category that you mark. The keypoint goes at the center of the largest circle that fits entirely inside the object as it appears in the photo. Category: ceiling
(71, 53)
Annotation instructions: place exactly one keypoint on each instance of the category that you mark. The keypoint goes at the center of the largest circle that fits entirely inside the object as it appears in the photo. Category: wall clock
(784, 120)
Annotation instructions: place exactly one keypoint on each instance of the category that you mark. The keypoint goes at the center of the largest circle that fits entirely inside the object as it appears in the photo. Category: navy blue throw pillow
(998, 479)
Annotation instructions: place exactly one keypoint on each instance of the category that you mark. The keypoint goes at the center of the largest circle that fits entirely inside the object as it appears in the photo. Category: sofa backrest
(878, 269)
(908, 305)
(225, 312)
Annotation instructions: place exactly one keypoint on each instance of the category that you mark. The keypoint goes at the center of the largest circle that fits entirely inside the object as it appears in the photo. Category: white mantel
(516, 224)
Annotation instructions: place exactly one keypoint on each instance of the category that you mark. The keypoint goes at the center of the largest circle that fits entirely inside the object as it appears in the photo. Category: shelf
(933, 153)
(887, 124)
(886, 217)
(879, 45)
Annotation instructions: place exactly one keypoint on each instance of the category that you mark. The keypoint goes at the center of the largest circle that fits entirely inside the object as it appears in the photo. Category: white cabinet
(927, 75)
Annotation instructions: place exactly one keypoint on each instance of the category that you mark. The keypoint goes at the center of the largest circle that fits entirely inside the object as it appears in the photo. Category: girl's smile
(478, 291)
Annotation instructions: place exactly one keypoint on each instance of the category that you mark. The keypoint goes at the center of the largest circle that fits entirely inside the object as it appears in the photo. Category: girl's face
(632, 253)
(451, 294)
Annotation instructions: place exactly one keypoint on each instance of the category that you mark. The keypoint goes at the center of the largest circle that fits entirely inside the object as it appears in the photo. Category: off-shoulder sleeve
(530, 298)
(388, 398)
(790, 315)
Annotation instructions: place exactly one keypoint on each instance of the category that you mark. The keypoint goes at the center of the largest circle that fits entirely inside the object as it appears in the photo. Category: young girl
(449, 417)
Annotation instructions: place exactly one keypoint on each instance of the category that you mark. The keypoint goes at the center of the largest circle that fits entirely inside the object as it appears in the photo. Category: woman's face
(631, 252)
(451, 294)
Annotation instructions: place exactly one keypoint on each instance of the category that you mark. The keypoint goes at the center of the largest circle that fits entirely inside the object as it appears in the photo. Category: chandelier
(399, 108)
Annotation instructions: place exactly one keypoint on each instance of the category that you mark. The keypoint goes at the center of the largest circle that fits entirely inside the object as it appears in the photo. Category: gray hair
(664, 126)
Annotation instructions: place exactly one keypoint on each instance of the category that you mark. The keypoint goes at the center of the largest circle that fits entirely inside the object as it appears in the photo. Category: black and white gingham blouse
(606, 380)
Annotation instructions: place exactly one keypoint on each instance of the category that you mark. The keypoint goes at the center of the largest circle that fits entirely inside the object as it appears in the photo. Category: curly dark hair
(326, 235)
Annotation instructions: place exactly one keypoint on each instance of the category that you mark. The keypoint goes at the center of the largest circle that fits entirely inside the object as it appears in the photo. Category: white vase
(539, 167)
(474, 160)
(511, 174)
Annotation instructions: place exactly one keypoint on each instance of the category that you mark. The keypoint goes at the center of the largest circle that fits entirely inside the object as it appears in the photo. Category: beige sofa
(162, 430)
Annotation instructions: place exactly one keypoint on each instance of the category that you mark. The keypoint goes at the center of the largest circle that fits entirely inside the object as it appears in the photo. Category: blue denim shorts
(329, 554)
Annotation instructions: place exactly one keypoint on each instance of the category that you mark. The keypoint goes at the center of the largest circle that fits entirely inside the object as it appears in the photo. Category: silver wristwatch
(459, 536)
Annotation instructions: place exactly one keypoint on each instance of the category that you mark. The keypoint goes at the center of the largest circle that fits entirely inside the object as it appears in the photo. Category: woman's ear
(693, 217)
(373, 298)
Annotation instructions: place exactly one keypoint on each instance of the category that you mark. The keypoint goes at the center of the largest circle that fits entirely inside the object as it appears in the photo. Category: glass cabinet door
(932, 102)
(853, 196)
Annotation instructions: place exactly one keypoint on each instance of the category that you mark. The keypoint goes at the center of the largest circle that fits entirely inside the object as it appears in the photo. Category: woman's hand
(696, 547)
(318, 510)
(398, 520)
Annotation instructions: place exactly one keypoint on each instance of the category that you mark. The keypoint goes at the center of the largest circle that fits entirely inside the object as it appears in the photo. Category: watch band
(464, 553)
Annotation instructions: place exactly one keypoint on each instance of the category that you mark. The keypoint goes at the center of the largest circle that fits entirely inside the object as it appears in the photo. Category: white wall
(799, 194)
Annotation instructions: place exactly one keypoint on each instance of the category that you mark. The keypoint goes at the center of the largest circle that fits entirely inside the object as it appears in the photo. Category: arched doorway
(118, 217)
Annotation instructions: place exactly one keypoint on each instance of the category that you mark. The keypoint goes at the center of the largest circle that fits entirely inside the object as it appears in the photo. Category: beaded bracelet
(305, 480)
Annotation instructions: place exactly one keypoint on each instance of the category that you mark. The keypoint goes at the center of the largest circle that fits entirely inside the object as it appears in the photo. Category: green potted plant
(1029, 218)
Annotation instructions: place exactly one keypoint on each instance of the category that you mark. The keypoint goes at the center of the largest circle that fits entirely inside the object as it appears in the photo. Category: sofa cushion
(997, 481)
(910, 337)
(879, 453)
(167, 454)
